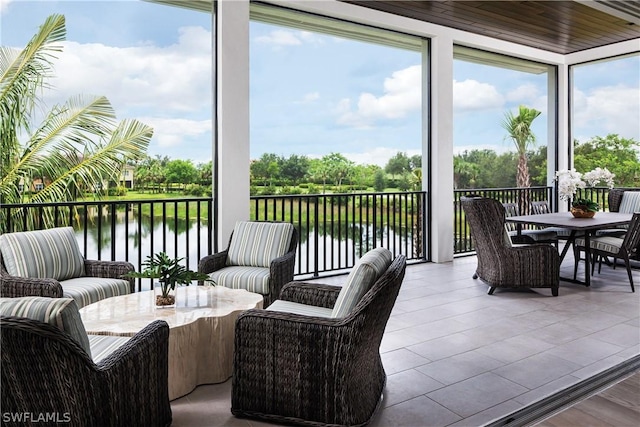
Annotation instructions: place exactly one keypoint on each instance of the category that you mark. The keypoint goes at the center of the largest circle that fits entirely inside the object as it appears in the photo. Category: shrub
(313, 189)
(117, 191)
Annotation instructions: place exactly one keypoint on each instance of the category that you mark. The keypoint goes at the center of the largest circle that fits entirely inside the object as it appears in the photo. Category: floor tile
(418, 412)
(476, 394)
(537, 370)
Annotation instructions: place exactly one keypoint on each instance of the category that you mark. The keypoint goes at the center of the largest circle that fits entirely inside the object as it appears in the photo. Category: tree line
(482, 168)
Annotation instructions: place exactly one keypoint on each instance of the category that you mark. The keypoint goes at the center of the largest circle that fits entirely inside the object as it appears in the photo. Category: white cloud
(523, 94)
(167, 88)
(172, 80)
(402, 95)
(472, 95)
(280, 38)
(614, 109)
(3, 5)
(174, 132)
(309, 98)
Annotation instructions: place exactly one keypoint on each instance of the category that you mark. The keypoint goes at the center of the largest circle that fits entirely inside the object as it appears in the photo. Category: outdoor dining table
(566, 220)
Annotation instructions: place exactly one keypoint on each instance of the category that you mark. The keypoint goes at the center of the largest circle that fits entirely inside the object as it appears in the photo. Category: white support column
(565, 145)
(441, 175)
(232, 115)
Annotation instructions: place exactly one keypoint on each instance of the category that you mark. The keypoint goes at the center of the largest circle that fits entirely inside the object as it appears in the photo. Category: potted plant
(169, 273)
(569, 181)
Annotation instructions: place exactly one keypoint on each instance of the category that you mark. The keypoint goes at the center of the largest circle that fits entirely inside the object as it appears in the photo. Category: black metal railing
(336, 229)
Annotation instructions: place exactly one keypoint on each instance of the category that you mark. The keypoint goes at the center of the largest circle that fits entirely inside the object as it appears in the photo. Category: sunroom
(441, 342)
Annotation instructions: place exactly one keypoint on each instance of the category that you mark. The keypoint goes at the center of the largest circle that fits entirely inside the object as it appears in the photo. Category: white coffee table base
(201, 333)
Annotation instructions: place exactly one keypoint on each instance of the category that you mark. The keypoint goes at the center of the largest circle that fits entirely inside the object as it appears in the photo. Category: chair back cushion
(52, 253)
(256, 244)
(60, 312)
(361, 278)
(630, 202)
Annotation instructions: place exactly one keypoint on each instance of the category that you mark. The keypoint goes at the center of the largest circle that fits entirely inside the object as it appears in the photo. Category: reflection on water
(338, 244)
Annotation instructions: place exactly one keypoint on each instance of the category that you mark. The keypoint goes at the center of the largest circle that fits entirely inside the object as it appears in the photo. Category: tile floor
(455, 356)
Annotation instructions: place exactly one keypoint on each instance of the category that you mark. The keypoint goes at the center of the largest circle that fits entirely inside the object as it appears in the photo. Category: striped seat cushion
(60, 312)
(253, 279)
(361, 278)
(604, 243)
(630, 202)
(52, 253)
(87, 290)
(103, 345)
(256, 244)
(297, 308)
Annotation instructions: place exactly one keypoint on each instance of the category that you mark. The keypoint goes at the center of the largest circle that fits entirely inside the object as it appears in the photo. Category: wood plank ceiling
(556, 26)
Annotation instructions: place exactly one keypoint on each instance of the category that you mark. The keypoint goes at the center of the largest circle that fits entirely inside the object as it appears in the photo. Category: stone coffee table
(201, 329)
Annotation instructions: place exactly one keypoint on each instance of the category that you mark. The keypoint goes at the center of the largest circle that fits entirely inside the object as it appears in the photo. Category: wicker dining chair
(527, 236)
(500, 264)
(311, 370)
(626, 247)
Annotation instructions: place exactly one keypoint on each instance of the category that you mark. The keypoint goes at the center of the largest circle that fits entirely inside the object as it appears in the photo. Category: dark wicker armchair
(499, 263)
(292, 368)
(46, 373)
(48, 263)
(13, 286)
(279, 270)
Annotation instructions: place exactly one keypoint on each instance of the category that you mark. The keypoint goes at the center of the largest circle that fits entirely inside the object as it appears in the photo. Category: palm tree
(78, 144)
(519, 129)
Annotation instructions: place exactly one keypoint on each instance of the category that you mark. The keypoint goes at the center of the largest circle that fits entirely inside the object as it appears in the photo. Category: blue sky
(311, 94)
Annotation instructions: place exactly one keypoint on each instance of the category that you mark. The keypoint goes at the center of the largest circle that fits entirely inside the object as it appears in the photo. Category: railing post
(316, 237)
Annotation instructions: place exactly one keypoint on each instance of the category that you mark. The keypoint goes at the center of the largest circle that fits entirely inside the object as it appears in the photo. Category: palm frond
(23, 73)
(128, 141)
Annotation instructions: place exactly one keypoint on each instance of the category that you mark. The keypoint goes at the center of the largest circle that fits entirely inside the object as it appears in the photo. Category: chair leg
(600, 264)
(627, 263)
(493, 288)
(475, 275)
(576, 259)
(554, 291)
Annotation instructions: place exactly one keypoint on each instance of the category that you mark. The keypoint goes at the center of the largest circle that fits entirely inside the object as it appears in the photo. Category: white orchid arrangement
(569, 181)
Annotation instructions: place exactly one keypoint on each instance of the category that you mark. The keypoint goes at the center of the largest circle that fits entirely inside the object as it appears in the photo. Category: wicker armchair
(236, 266)
(499, 263)
(293, 368)
(44, 372)
(48, 263)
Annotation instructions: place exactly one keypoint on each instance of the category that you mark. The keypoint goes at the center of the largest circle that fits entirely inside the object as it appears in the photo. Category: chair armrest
(13, 286)
(143, 398)
(212, 263)
(316, 294)
(110, 269)
(281, 273)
